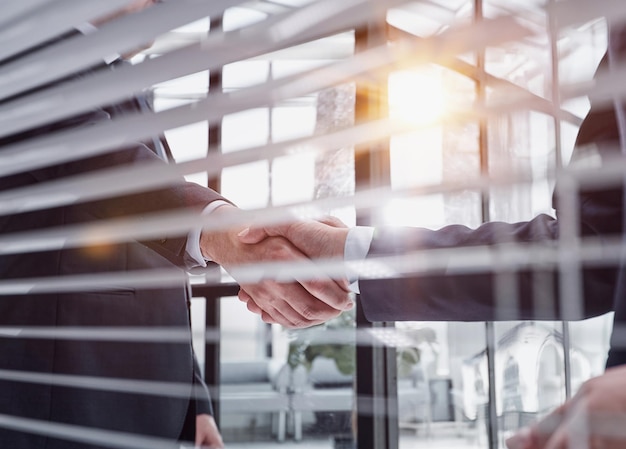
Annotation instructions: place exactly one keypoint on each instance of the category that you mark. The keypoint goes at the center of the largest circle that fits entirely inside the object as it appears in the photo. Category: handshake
(296, 303)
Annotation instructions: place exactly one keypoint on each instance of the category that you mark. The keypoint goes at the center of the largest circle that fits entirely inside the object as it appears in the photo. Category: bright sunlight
(416, 96)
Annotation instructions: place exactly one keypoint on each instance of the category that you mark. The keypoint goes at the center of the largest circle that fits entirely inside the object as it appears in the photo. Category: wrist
(338, 237)
(215, 243)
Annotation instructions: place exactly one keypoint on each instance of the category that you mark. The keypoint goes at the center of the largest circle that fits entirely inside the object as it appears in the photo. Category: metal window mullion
(213, 306)
(270, 203)
(483, 144)
(212, 295)
(376, 389)
(553, 34)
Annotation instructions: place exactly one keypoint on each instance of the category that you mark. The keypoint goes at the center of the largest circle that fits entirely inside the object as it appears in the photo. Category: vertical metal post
(215, 85)
(553, 34)
(212, 352)
(212, 295)
(213, 311)
(376, 388)
(483, 133)
(373, 167)
(270, 138)
(492, 412)
(483, 144)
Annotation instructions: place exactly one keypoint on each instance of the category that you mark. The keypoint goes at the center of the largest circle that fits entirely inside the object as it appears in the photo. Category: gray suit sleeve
(202, 397)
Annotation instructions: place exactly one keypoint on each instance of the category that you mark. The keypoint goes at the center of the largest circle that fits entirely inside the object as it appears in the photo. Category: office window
(419, 114)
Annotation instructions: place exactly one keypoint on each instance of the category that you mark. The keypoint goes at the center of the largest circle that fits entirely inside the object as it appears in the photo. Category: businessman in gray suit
(73, 376)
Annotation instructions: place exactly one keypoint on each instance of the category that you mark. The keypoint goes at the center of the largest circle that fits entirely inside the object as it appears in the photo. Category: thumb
(251, 236)
(332, 222)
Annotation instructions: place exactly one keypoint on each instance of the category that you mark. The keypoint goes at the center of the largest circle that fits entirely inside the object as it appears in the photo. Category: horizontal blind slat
(81, 52)
(216, 51)
(13, 9)
(100, 138)
(51, 20)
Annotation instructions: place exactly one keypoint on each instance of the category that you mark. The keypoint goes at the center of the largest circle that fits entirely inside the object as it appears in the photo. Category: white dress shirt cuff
(194, 257)
(357, 246)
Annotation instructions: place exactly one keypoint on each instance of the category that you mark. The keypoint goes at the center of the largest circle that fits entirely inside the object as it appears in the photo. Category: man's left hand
(207, 434)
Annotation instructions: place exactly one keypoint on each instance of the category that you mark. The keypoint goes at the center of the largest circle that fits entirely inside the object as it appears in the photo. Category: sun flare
(416, 96)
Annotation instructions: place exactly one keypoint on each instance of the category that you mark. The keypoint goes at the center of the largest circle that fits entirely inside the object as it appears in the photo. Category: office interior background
(417, 113)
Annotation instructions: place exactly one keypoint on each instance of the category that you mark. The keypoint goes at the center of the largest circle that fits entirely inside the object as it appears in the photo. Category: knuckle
(302, 320)
(329, 291)
(320, 289)
(309, 314)
(316, 315)
(281, 252)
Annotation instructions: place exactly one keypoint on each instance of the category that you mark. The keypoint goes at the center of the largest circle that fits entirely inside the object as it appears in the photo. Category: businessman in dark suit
(438, 295)
(464, 296)
(177, 408)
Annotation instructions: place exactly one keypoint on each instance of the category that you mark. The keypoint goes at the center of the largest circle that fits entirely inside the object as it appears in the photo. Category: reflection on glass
(441, 394)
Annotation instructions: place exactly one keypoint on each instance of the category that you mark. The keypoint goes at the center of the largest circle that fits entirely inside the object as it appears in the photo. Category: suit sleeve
(179, 195)
(202, 397)
(531, 294)
(442, 296)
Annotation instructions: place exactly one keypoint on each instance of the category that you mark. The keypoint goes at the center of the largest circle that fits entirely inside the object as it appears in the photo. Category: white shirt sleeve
(194, 257)
(357, 246)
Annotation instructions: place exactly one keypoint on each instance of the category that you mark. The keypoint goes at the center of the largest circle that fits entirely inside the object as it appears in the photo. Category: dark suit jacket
(141, 308)
(472, 297)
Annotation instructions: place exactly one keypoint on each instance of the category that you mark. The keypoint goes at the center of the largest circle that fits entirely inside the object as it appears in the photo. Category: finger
(264, 299)
(276, 317)
(207, 433)
(333, 221)
(312, 308)
(292, 302)
(537, 435)
(203, 439)
(559, 439)
(520, 440)
(265, 317)
(243, 295)
(327, 285)
(252, 235)
(254, 308)
(574, 426)
(344, 284)
(256, 234)
(333, 293)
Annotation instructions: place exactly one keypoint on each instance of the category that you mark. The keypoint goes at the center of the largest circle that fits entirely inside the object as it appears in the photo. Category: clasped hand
(297, 303)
